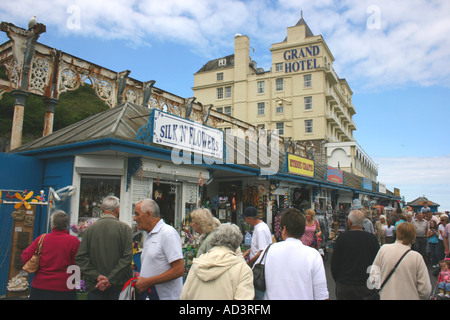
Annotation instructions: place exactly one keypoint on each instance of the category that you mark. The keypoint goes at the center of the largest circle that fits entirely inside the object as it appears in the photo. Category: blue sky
(394, 54)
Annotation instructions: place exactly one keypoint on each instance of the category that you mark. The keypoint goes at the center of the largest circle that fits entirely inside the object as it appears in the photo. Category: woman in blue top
(433, 242)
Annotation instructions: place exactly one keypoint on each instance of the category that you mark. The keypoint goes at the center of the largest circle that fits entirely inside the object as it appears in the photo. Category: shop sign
(397, 192)
(299, 165)
(301, 59)
(366, 184)
(381, 187)
(334, 175)
(356, 203)
(173, 131)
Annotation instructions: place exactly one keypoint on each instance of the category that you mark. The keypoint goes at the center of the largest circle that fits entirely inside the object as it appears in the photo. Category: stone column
(50, 104)
(17, 125)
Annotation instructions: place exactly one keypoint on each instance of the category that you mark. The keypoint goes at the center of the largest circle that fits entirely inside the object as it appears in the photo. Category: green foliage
(73, 106)
(77, 105)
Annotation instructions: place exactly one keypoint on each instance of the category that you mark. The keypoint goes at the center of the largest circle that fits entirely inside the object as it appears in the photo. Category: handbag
(259, 280)
(33, 264)
(375, 293)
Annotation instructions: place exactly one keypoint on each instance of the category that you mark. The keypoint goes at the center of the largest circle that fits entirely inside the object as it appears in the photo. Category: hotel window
(260, 86)
(227, 92)
(227, 111)
(307, 81)
(280, 128)
(308, 126)
(220, 76)
(219, 93)
(279, 108)
(279, 66)
(261, 108)
(308, 103)
(279, 84)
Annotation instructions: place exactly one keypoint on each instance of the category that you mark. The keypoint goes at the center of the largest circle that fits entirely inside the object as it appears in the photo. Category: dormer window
(222, 62)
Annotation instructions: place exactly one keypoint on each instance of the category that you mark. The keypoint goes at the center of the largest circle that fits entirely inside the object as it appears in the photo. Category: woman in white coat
(411, 280)
(221, 273)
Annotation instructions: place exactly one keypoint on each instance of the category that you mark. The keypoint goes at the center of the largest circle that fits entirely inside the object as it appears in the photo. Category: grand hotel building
(301, 96)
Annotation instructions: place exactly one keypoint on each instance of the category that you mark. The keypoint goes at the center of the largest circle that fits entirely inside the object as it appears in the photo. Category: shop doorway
(165, 195)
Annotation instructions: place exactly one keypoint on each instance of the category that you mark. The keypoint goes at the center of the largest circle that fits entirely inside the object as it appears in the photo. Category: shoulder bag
(259, 280)
(375, 293)
(33, 264)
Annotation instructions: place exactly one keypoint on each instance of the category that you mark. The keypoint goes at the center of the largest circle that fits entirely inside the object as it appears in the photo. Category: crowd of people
(362, 257)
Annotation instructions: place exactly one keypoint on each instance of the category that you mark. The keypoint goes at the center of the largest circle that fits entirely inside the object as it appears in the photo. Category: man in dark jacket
(105, 253)
(353, 253)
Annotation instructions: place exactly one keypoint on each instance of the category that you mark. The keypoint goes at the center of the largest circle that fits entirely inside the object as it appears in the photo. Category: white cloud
(411, 45)
(417, 176)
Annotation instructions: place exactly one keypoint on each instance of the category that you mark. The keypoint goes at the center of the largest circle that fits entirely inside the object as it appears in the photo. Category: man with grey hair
(106, 253)
(220, 274)
(353, 253)
(162, 264)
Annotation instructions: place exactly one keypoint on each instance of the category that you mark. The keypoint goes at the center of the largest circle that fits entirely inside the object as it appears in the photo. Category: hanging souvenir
(28, 221)
(23, 200)
(158, 195)
(18, 215)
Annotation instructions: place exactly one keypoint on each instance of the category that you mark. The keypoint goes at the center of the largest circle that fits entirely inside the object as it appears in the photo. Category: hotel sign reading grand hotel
(301, 59)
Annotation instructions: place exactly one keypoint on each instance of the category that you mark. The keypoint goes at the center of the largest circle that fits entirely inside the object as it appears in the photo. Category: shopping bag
(128, 290)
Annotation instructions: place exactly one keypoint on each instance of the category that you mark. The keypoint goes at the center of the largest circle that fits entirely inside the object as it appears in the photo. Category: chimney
(241, 57)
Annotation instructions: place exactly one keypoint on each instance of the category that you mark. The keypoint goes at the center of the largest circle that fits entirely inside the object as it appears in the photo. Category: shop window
(165, 196)
(93, 189)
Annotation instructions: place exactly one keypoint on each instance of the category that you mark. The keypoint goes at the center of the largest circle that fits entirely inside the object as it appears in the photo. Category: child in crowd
(444, 279)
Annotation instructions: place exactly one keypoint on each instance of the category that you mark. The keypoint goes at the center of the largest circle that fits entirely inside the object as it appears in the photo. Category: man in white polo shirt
(294, 271)
(261, 238)
(162, 265)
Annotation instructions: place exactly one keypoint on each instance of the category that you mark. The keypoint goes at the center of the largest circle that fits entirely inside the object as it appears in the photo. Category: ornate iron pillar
(24, 42)
(17, 125)
(50, 104)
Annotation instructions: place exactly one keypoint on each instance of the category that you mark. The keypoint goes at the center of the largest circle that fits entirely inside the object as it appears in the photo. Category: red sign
(335, 175)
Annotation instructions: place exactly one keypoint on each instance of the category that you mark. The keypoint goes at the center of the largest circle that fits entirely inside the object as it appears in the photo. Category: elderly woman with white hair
(379, 228)
(204, 223)
(220, 274)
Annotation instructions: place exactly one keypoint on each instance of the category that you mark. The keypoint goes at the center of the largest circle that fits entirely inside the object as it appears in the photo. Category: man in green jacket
(105, 253)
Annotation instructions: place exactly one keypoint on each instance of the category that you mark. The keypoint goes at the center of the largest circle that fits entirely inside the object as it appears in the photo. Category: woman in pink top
(59, 249)
(312, 228)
